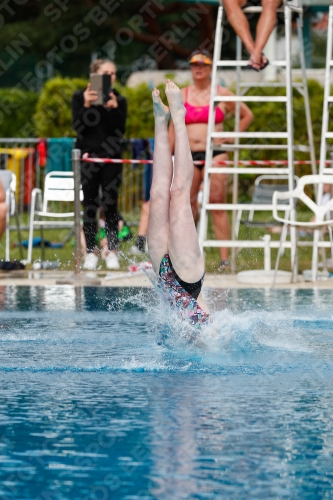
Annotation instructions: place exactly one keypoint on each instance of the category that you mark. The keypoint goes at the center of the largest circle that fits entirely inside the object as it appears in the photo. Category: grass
(246, 258)
(253, 258)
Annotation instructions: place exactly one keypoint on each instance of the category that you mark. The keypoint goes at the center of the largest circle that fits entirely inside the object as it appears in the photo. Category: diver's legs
(158, 222)
(183, 242)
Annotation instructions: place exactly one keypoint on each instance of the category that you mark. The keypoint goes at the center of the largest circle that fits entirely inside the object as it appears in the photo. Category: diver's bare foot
(160, 110)
(175, 101)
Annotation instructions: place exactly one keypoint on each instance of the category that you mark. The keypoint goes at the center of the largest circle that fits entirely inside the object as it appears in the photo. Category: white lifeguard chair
(325, 168)
(285, 138)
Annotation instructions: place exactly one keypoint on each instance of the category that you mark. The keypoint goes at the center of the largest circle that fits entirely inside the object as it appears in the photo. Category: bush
(271, 117)
(53, 113)
(16, 109)
(140, 120)
(53, 117)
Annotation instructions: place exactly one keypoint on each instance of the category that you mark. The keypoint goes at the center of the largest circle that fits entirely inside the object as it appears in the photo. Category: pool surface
(103, 396)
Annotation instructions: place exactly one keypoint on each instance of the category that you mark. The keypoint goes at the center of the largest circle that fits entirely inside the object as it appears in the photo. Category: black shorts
(201, 156)
(257, 3)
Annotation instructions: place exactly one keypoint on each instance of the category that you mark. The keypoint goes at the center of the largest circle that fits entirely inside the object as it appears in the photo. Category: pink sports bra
(199, 114)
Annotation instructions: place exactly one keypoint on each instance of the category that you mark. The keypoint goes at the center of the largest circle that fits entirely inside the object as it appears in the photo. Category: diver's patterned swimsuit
(179, 297)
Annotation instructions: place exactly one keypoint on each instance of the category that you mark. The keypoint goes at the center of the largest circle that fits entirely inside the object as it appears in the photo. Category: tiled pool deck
(139, 279)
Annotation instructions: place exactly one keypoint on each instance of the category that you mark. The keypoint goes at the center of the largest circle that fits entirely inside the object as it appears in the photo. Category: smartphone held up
(102, 85)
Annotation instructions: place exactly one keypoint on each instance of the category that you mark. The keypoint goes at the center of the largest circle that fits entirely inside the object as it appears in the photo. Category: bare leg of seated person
(239, 22)
(265, 26)
(171, 227)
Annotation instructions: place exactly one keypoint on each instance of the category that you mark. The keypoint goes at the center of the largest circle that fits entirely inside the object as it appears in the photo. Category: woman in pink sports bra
(196, 101)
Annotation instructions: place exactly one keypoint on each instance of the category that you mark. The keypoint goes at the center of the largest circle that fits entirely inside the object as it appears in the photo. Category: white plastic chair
(318, 210)
(59, 186)
(8, 180)
(263, 195)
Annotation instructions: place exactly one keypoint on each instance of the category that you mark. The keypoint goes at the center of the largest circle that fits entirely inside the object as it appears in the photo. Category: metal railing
(21, 157)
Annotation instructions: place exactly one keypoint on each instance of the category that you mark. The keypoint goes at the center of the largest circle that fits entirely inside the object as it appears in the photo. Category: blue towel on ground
(37, 243)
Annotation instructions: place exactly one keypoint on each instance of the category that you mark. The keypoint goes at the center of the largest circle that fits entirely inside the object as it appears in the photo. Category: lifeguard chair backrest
(263, 191)
(13, 183)
(8, 180)
(59, 186)
(299, 194)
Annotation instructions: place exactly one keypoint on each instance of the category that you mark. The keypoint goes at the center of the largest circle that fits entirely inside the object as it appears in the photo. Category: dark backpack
(11, 265)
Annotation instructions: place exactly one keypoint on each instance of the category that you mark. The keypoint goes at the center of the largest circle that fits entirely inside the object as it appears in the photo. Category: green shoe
(124, 234)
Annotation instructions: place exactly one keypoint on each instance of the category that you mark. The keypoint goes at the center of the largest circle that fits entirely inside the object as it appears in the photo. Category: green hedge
(271, 117)
(16, 110)
(51, 114)
(25, 114)
(140, 119)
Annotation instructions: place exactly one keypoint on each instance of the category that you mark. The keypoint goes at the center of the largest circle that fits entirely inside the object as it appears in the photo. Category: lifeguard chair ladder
(328, 100)
(325, 134)
(286, 137)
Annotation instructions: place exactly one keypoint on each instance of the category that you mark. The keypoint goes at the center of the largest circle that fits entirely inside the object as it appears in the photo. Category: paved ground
(139, 279)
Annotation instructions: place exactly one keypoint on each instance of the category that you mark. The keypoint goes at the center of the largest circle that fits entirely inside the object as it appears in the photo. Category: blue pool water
(102, 396)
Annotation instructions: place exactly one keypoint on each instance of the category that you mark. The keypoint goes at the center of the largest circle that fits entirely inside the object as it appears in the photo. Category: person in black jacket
(100, 130)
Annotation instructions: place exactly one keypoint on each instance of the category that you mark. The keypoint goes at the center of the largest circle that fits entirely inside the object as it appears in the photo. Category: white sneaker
(111, 261)
(90, 261)
(135, 251)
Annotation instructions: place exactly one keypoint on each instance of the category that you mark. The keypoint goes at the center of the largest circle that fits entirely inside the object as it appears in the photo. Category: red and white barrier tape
(247, 163)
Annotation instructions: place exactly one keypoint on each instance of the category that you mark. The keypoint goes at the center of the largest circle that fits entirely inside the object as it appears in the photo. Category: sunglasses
(200, 64)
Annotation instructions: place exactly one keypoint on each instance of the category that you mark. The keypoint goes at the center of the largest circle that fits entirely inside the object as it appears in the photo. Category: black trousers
(107, 176)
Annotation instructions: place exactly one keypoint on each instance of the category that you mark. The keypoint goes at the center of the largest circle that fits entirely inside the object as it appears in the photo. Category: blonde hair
(97, 63)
